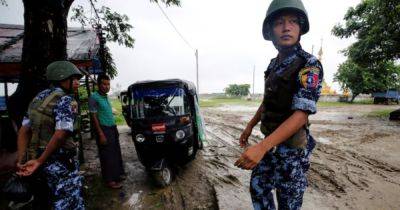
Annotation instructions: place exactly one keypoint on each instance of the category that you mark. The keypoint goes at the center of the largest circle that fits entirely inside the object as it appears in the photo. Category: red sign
(158, 128)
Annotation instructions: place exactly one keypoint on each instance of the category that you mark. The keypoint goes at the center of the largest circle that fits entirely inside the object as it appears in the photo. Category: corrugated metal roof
(82, 44)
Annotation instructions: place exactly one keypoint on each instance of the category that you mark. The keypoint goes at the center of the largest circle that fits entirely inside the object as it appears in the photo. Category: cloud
(227, 34)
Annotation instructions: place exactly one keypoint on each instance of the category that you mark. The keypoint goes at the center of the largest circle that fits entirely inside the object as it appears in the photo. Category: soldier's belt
(298, 140)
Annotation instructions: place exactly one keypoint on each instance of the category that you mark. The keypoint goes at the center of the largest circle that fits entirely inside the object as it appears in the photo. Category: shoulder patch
(74, 107)
(309, 77)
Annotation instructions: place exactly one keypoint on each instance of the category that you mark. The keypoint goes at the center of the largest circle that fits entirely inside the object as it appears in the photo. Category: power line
(176, 29)
(95, 11)
(188, 44)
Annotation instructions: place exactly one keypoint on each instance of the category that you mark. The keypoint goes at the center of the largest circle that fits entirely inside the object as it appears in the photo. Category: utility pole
(254, 73)
(197, 71)
(312, 50)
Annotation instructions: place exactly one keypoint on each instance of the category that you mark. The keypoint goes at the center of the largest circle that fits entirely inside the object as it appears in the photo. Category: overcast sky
(227, 34)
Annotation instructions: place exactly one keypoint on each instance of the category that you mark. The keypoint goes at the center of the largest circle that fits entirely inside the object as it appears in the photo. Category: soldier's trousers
(65, 183)
(285, 171)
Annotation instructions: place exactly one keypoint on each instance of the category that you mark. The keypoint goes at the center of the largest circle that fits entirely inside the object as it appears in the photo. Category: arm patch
(74, 107)
(309, 77)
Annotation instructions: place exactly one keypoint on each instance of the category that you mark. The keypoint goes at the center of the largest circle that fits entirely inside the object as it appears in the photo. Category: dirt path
(354, 166)
(191, 188)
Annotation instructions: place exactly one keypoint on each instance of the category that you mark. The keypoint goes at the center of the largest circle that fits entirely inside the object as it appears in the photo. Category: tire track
(338, 170)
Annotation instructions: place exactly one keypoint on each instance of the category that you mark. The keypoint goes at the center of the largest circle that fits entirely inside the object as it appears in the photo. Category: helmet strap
(70, 85)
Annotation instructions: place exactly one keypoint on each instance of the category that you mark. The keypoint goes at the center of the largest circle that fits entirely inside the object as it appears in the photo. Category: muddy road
(355, 165)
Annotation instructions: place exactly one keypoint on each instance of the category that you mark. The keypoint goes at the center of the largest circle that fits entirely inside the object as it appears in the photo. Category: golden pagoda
(346, 92)
(326, 89)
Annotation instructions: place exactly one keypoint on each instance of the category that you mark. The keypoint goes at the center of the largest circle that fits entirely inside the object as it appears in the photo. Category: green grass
(215, 102)
(119, 118)
(332, 104)
(335, 104)
(366, 101)
(220, 101)
(383, 113)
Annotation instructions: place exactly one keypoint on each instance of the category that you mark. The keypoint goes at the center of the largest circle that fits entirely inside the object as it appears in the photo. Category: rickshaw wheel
(164, 176)
(193, 155)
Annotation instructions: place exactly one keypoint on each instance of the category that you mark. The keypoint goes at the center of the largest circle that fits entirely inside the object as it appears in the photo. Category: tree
(45, 32)
(370, 66)
(375, 23)
(367, 80)
(237, 90)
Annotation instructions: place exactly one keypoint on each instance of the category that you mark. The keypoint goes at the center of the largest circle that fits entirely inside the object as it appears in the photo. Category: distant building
(326, 89)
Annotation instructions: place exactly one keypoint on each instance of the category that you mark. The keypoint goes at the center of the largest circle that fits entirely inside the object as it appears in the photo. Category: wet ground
(354, 166)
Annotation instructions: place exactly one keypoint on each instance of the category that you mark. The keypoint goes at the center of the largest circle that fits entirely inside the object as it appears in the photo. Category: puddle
(324, 140)
(133, 201)
(238, 108)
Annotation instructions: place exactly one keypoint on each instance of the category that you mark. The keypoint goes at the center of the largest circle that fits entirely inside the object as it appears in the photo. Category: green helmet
(61, 70)
(278, 6)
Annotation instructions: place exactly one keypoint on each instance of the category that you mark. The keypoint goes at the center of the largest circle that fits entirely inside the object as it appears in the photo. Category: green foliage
(116, 28)
(119, 118)
(359, 80)
(375, 23)
(370, 66)
(237, 90)
(353, 77)
(169, 2)
(83, 96)
(111, 69)
(78, 14)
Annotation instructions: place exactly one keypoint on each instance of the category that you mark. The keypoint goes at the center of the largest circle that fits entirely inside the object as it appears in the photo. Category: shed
(82, 48)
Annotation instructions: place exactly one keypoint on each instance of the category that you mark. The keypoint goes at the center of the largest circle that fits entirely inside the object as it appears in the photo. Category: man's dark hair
(102, 77)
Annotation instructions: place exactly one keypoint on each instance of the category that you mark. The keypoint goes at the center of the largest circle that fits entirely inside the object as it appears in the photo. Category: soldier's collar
(289, 50)
(59, 89)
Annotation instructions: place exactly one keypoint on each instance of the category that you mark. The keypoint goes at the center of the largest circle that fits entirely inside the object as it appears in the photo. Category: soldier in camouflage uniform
(292, 87)
(46, 137)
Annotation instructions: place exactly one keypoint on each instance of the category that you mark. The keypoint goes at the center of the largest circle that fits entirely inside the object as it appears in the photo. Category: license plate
(158, 128)
(159, 138)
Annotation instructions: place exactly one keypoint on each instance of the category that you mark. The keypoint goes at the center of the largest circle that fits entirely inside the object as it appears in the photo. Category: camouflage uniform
(61, 169)
(284, 168)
